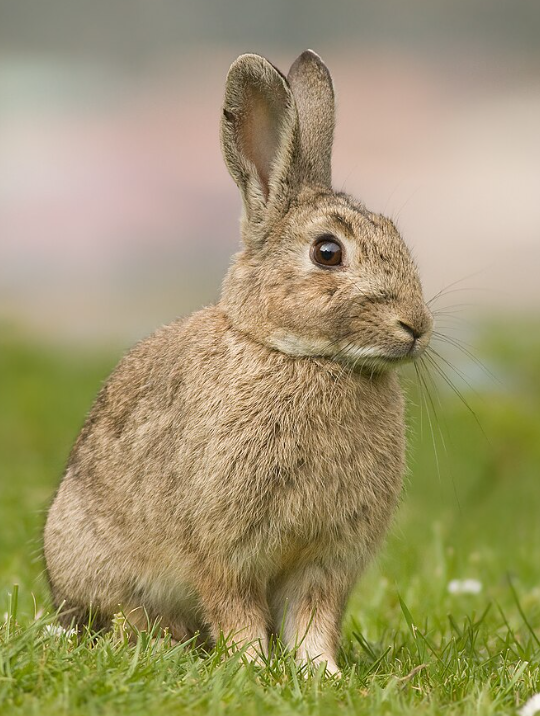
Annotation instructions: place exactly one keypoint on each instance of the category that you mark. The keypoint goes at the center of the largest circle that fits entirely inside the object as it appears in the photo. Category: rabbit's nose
(417, 326)
(414, 332)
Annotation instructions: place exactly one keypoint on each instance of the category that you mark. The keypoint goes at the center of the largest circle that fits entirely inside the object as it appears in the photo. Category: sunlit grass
(411, 644)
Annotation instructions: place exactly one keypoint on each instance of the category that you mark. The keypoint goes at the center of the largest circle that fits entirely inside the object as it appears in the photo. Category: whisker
(421, 403)
(450, 315)
(444, 290)
(411, 195)
(456, 390)
(460, 345)
(453, 307)
(433, 384)
(457, 290)
(432, 403)
(454, 486)
(444, 336)
(397, 186)
(437, 392)
(423, 391)
(457, 371)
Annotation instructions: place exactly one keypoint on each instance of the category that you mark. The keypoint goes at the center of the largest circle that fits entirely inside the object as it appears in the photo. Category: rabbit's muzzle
(414, 332)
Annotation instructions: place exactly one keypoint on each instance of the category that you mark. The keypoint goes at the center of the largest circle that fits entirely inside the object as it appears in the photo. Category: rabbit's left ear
(313, 91)
(259, 136)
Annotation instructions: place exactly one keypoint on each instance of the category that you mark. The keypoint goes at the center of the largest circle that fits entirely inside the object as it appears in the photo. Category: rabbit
(240, 467)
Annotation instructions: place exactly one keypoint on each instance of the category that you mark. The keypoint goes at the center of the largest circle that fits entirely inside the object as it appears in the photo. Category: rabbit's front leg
(308, 607)
(236, 608)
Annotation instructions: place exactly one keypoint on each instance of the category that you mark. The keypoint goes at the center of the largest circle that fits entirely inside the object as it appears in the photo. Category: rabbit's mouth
(364, 358)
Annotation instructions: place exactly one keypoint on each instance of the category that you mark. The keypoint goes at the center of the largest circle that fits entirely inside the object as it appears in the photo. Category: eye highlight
(326, 251)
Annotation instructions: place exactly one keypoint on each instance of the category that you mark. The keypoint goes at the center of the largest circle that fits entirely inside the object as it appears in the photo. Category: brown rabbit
(240, 466)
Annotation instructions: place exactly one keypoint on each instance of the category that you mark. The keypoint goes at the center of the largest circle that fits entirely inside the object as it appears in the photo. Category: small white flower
(530, 707)
(465, 586)
(56, 630)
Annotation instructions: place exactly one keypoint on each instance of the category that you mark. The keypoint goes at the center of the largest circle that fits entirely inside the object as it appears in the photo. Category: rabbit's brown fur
(240, 466)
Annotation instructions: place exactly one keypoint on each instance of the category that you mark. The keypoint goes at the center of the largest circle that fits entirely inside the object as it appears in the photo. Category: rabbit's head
(319, 274)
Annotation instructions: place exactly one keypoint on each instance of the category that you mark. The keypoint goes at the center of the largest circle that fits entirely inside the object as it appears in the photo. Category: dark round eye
(326, 251)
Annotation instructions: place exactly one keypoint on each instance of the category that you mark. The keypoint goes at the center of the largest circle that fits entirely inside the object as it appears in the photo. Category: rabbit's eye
(326, 251)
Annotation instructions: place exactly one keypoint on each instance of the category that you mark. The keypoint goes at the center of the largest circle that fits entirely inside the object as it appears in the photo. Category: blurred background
(117, 214)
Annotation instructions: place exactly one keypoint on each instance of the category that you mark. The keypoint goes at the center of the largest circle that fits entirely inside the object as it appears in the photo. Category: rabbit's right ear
(259, 136)
(311, 84)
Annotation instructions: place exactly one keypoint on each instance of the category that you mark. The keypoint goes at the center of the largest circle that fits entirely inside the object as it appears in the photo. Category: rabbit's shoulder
(148, 381)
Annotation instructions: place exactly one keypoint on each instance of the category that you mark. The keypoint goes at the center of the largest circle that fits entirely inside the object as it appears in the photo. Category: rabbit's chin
(360, 358)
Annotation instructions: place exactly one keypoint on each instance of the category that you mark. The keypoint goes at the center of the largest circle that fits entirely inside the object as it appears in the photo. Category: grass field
(410, 644)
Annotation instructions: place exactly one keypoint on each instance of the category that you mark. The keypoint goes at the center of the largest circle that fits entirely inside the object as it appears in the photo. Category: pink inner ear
(260, 133)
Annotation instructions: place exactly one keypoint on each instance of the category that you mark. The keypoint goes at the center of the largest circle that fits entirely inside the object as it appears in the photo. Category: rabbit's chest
(328, 482)
(333, 497)
(293, 462)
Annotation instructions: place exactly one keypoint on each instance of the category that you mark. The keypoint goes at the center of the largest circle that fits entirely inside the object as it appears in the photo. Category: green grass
(409, 645)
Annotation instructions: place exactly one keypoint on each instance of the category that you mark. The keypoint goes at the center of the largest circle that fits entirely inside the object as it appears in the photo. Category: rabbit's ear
(259, 135)
(313, 91)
